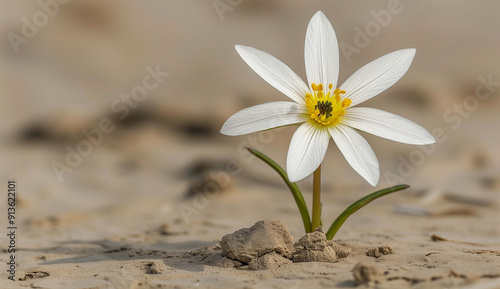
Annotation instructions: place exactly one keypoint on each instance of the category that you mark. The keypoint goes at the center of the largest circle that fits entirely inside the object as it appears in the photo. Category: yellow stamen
(346, 102)
(326, 107)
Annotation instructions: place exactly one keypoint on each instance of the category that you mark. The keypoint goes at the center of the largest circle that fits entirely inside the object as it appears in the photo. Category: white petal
(387, 125)
(377, 75)
(274, 72)
(357, 152)
(321, 52)
(307, 151)
(264, 116)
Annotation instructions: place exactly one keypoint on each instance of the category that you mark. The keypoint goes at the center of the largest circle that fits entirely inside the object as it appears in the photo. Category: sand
(149, 206)
(142, 242)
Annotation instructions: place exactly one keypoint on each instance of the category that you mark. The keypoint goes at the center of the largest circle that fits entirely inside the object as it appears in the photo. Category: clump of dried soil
(380, 251)
(314, 247)
(364, 274)
(262, 238)
(269, 244)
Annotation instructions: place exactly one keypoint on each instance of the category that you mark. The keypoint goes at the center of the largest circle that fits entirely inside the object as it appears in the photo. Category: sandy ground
(131, 215)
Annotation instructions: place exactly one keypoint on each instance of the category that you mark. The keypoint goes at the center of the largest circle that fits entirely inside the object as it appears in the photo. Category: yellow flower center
(326, 108)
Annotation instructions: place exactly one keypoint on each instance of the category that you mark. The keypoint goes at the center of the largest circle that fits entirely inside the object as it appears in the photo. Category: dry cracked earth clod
(364, 274)
(264, 237)
(314, 247)
(378, 252)
(269, 244)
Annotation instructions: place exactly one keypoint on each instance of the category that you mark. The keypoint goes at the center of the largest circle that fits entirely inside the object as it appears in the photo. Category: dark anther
(324, 107)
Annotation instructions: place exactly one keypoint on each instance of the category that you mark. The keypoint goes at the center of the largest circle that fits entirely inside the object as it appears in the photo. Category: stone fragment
(314, 247)
(364, 274)
(264, 237)
(155, 268)
(380, 251)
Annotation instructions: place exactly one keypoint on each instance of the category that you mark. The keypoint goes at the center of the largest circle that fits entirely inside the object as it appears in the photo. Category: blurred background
(70, 68)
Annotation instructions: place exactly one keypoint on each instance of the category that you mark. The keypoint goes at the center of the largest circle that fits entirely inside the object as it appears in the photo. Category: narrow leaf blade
(358, 205)
(294, 189)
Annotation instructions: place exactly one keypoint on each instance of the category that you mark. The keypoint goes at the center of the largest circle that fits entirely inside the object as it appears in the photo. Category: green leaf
(358, 205)
(297, 195)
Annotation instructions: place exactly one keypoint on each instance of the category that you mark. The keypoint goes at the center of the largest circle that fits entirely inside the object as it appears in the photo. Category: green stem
(358, 205)
(297, 195)
(316, 208)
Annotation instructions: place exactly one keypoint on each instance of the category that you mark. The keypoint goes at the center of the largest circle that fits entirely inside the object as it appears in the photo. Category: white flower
(323, 110)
